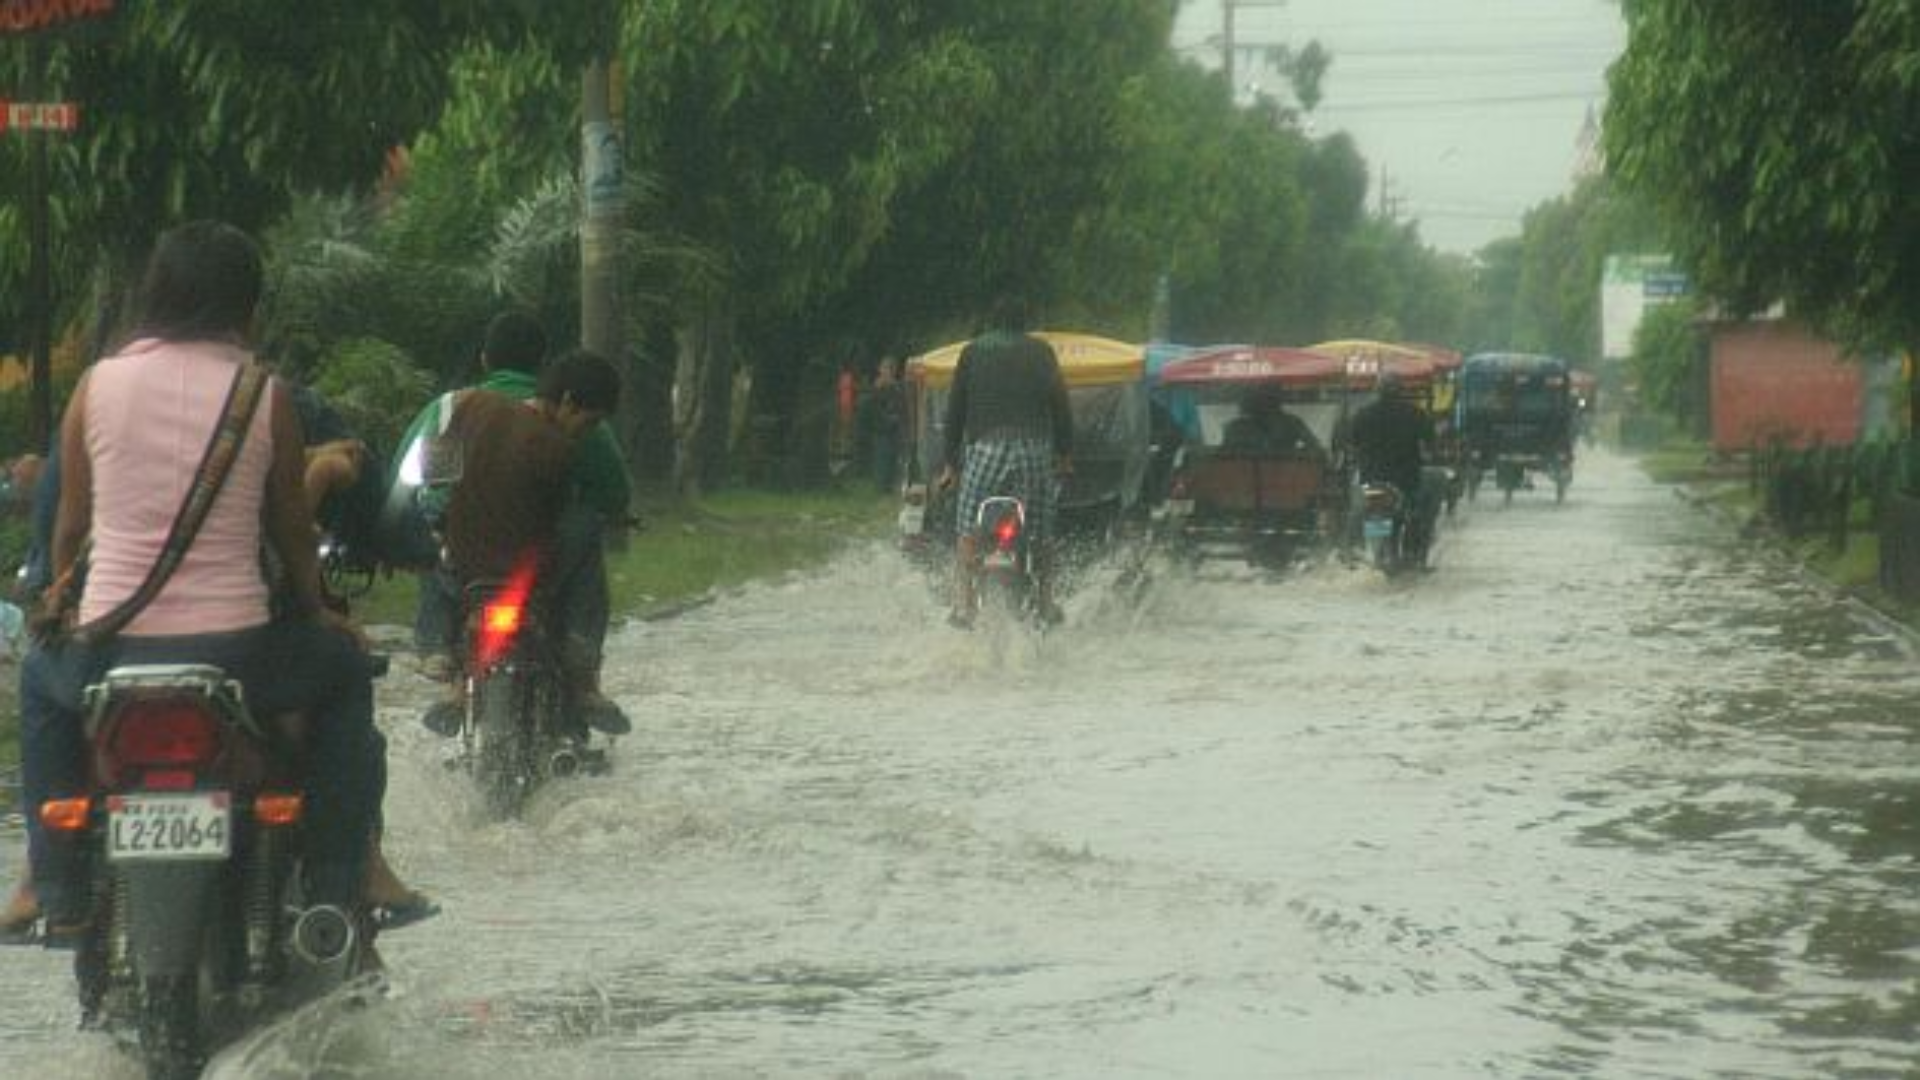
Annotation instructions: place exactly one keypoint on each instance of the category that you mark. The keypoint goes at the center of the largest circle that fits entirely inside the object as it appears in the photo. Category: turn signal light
(277, 810)
(66, 815)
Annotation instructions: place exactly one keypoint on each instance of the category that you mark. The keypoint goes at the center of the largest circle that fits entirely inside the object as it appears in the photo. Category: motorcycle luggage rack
(202, 680)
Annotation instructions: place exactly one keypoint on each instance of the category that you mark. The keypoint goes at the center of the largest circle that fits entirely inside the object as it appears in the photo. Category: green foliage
(1541, 292)
(1776, 140)
(1666, 360)
(376, 387)
(223, 108)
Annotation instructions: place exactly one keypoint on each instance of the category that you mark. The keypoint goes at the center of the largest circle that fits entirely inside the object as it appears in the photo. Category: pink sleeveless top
(150, 412)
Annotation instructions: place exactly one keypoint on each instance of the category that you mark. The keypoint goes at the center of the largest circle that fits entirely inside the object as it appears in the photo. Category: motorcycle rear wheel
(172, 1042)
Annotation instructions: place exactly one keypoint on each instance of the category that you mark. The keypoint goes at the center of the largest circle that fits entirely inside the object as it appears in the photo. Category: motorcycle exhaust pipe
(323, 941)
(563, 763)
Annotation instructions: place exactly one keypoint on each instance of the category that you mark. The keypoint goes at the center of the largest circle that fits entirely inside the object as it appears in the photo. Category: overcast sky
(1471, 109)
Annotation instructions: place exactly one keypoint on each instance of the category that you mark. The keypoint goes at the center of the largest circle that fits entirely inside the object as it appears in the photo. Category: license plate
(1377, 528)
(1180, 507)
(152, 828)
(913, 519)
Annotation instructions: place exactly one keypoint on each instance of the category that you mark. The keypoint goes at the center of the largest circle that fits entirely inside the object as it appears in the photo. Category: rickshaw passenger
(1264, 426)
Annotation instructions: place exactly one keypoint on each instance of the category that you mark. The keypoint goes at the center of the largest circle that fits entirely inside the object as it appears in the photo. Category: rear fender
(168, 914)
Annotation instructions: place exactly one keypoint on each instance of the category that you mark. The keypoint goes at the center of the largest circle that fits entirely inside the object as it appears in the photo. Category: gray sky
(1472, 109)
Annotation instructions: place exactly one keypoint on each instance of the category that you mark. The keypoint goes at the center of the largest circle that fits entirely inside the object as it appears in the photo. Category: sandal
(402, 913)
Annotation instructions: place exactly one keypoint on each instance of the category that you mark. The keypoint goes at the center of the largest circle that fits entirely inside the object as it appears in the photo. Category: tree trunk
(703, 383)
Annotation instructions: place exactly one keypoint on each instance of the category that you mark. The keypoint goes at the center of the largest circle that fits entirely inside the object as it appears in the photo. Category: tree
(1666, 362)
(1777, 139)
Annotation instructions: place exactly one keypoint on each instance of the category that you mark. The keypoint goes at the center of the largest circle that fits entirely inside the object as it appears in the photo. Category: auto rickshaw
(1516, 418)
(1247, 485)
(1100, 499)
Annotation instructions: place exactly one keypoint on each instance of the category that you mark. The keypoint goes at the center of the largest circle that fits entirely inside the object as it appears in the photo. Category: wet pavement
(1606, 794)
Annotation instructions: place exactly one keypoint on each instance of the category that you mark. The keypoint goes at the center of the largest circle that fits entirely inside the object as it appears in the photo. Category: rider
(513, 503)
(1009, 429)
(1264, 426)
(131, 443)
(1391, 437)
(511, 358)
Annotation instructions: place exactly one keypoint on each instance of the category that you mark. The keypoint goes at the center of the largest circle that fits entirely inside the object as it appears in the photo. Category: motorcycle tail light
(165, 733)
(502, 616)
(500, 622)
(1005, 532)
(66, 815)
(278, 809)
(167, 780)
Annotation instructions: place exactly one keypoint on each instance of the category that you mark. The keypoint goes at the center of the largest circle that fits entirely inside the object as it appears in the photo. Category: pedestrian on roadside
(883, 415)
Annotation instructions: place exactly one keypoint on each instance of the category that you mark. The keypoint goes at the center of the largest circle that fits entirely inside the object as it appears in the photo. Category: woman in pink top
(130, 445)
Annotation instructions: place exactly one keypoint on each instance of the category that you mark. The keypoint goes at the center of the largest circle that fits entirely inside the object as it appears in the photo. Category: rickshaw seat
(1255, 482)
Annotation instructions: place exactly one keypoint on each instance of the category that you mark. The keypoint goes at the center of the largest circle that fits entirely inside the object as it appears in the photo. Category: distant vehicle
(1101, 501)
(1516, 420)
(1263, 501)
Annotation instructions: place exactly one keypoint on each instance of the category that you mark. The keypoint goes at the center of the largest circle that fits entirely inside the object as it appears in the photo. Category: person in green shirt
(511, 357)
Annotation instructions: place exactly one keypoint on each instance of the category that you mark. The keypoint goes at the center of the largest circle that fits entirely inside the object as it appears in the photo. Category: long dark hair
(202, 282)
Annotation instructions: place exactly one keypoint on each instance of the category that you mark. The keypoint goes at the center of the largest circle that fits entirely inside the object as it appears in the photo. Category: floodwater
(1607, 794)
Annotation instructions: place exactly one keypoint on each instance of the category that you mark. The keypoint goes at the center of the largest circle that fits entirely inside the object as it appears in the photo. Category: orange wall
(1775, 378)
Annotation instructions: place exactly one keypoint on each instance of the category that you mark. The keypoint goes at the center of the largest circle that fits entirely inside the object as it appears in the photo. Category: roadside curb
(1754, 532)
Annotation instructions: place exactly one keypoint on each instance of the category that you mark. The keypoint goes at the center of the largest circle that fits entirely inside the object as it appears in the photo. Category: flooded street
(1607, 794)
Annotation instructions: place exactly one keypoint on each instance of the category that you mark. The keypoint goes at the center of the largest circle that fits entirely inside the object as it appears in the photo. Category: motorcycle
(1004, 579)
(187, 850)
(519, 729)
(1387, 529)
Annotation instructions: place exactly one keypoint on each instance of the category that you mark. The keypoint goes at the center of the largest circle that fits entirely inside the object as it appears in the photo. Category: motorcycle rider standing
(131, 443)
(1009, 429)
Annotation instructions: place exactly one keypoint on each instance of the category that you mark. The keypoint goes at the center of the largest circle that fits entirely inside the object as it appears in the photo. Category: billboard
(1629, 285)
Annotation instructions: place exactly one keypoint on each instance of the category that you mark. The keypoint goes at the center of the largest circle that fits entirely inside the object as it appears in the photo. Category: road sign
(39, 115)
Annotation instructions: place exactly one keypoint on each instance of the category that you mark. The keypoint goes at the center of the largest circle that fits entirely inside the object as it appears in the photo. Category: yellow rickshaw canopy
(1085, 360)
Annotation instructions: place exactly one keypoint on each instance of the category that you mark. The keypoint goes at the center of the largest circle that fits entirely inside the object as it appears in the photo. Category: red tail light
(502, 617)
(1006, 531)
(165, 733)
(1178, 490)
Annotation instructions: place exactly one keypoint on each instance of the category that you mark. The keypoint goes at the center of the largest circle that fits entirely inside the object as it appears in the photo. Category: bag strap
(223, 449)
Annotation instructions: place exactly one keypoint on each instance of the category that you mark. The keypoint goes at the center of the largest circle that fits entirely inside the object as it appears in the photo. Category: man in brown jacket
(510, 510)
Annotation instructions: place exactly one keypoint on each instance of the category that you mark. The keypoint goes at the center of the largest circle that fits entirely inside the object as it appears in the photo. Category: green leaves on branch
(1776, 138)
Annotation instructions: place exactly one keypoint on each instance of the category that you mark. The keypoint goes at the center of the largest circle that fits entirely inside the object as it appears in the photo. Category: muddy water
(1606, 794)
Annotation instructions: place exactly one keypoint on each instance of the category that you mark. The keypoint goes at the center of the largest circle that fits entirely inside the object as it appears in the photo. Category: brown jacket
(513, 484)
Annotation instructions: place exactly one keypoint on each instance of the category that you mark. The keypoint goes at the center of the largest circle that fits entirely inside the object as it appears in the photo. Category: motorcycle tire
(172, 1044)
(500, 765)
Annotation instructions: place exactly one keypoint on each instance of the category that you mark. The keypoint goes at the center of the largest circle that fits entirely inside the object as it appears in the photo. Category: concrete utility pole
(602, 329)
(1227, 47)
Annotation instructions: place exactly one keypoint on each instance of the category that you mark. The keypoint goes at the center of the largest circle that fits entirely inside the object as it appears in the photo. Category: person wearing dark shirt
(1009, 430)
(1390, 438)
(1265, 427)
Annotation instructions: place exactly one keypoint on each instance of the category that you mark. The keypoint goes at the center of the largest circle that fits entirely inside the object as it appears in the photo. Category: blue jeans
(284, 667)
